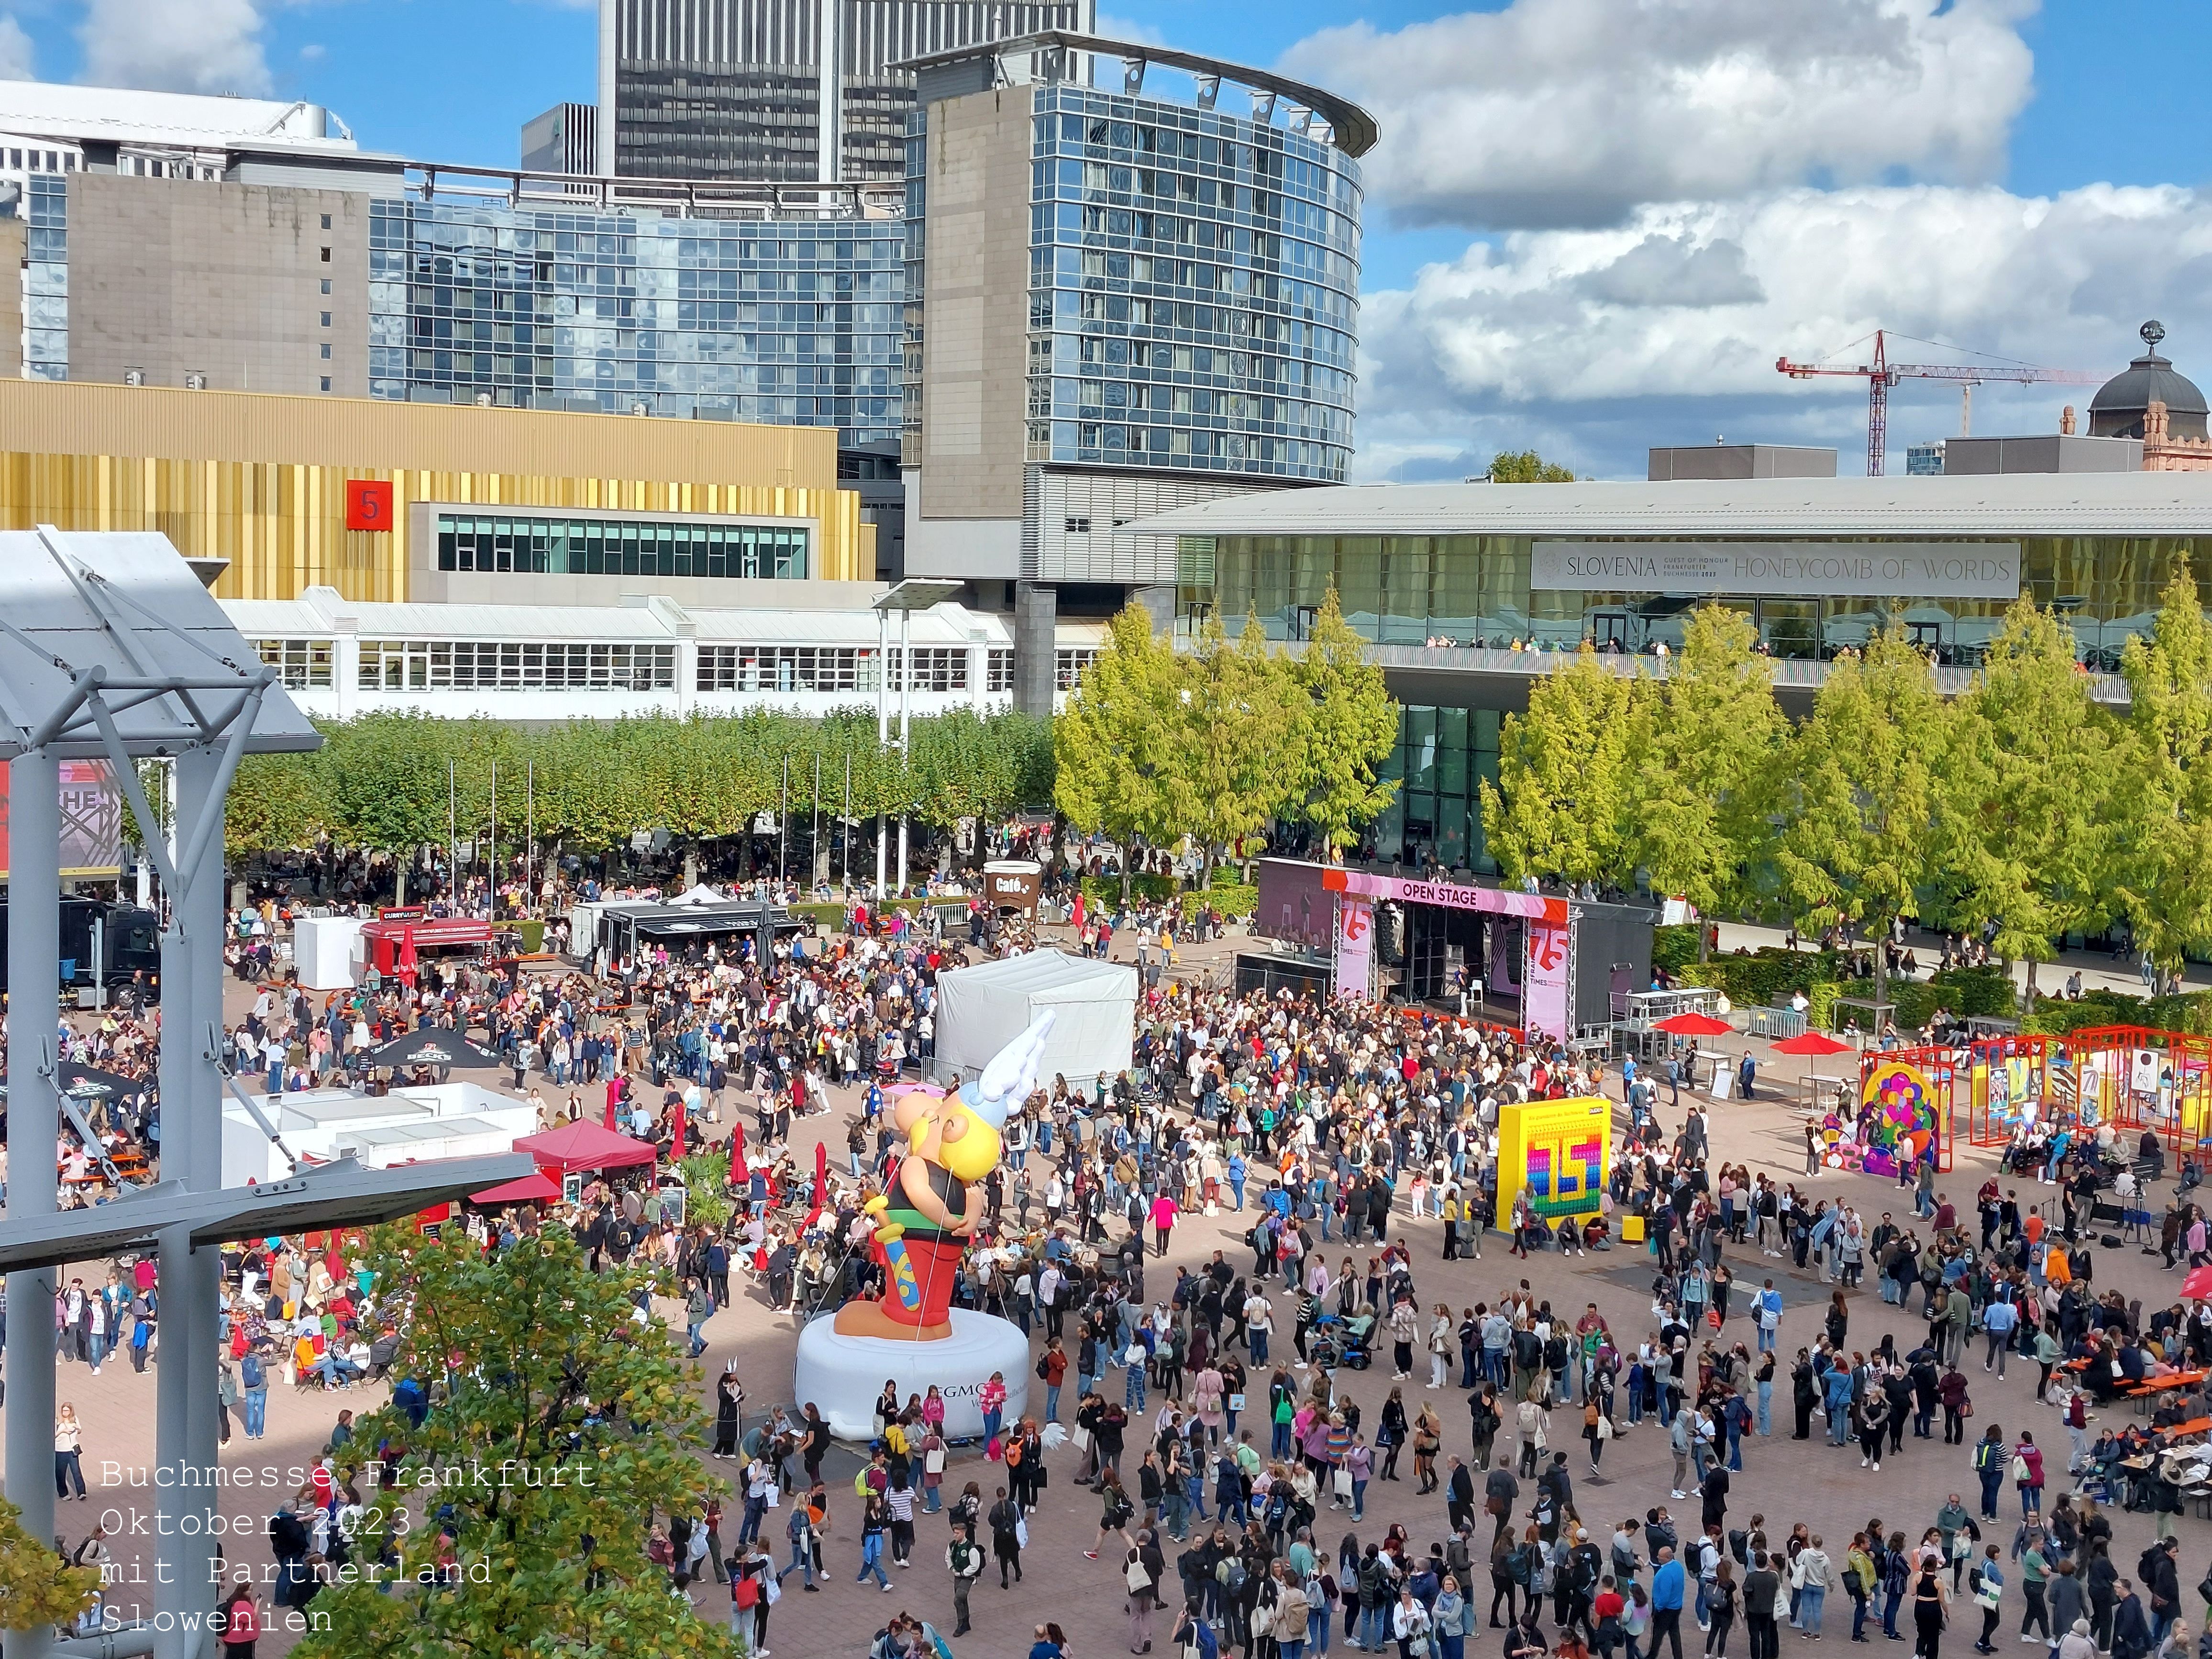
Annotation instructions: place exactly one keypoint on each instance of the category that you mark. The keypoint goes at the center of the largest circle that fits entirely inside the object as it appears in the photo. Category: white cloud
(175, 45)
(1616, 337)
(1111, 28)
(15, 53)
(1557, 113)
(314, 51)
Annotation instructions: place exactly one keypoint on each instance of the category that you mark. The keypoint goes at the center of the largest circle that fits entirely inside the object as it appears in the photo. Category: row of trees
(1219, 742)
(394, 782)
(2023, 807)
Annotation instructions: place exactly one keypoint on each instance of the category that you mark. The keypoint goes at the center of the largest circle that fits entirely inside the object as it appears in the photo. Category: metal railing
(685, 197)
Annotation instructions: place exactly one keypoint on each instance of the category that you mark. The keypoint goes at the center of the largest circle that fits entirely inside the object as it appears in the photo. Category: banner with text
(92, 820)
(1784, 570)
(1355, 950)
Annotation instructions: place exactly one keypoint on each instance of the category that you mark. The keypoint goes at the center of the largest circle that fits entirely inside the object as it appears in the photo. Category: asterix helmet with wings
(1012, 1074)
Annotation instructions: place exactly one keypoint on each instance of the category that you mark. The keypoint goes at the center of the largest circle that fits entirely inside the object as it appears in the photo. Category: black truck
(129, 941)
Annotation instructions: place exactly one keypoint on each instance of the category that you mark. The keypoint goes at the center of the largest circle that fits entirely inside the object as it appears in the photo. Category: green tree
(1702, 766)
(2025, 789)
(966, 767)
(1860, 796)
(1558, 806)
(275, 803)
(1117, 769)
(2164, 852)
(586, 1425)
(1347, 726)
(37, 1586)
(1527, 466)
(1240, 715)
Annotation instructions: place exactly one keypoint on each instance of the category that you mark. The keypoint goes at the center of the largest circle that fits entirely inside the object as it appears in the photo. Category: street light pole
(905, 709)
(883, 730)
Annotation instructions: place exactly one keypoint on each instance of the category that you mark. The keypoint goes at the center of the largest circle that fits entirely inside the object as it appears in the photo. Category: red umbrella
(1695, 1024)
(1812, 1043)
(2198, 1287)
(405, 970)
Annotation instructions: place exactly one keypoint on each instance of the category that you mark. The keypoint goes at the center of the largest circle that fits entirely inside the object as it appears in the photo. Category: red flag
(677, 1151)
(737, 1170)
(821, 1182)
(614, 1094)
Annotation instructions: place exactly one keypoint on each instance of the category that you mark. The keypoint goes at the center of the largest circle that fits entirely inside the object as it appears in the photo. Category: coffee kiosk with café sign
(1013, 884)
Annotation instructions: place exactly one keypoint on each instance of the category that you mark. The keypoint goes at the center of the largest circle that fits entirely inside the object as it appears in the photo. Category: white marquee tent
(980, 1010)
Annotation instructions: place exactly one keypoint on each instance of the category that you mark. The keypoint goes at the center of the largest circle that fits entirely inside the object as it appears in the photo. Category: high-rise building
(1925, 460)
(564, 139)
(1119, 300)
(787, 91)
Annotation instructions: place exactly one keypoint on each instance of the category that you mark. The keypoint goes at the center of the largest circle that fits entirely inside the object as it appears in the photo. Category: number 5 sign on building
(367, 504)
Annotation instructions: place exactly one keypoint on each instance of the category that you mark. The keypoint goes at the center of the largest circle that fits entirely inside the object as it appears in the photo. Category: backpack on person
(250, 1371)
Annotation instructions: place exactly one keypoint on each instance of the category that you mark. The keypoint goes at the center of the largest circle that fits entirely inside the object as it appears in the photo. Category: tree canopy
(1527, 466)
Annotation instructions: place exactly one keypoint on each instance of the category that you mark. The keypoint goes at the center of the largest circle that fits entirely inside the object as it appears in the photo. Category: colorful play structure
(2128, 1076)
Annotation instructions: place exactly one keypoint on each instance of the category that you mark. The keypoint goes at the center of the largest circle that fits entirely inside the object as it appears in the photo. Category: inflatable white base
(844, 1375)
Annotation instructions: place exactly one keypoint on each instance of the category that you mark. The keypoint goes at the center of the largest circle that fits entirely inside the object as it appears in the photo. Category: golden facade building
(476, 504)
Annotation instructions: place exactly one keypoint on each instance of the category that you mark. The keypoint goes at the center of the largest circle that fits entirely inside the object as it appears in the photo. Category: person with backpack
(966, 1563)
(253, 1373)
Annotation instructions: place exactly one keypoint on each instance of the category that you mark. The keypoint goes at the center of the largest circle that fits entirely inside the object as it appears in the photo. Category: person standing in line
(1931, 1601)
(1987, 1585)
(1811, 1573)
(1666, 1589)
(1720, 1608)
(240, 1623)
(1762, 1590)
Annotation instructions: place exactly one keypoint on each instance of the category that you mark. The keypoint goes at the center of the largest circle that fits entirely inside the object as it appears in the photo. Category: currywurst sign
(1795, 570)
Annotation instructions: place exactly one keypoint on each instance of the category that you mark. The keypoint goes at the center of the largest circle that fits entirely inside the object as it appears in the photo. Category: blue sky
(1558, 252)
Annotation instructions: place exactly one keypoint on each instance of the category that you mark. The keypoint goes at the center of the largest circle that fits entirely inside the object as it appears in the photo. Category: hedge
(1107, 890)
(1231, 899)
(1754, 979)
(2191, 1013)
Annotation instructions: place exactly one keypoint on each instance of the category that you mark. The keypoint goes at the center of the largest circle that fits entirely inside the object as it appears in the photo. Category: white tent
(980, 1010)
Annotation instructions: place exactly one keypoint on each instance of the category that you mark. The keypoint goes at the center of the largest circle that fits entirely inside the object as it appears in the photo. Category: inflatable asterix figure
(929, 1211)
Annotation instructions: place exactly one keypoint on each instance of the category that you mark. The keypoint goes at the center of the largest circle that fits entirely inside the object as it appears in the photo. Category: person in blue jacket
(1666, 1587)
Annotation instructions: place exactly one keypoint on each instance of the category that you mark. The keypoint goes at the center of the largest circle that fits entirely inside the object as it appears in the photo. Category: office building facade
(496, 506)
(785, 91)
(1118, 303)
(564, 139)
(1469, 592)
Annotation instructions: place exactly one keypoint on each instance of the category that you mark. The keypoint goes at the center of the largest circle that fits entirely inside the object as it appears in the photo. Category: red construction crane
(1882, 374)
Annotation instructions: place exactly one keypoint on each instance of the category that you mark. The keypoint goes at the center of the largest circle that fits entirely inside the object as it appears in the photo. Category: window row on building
(514, 666)
(497, 665)
(620, 547)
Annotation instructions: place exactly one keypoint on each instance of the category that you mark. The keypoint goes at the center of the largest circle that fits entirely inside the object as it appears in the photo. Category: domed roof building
(2123, 404)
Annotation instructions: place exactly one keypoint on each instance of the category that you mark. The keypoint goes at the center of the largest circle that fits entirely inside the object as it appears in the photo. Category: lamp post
(918, 593)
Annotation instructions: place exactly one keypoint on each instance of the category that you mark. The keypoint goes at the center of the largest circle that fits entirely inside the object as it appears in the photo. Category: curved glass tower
(1118, 301)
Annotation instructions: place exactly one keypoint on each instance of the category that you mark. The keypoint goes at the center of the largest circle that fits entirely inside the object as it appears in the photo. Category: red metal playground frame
(2131, 1077)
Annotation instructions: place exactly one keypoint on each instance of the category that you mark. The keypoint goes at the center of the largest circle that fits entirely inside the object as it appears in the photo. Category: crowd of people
(1217, 1408)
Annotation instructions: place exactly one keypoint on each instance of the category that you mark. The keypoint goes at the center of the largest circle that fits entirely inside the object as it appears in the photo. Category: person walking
(68, 1453)
(1007, 1531)
(1720, 1607)
(966, 1562)
(1987, 1587)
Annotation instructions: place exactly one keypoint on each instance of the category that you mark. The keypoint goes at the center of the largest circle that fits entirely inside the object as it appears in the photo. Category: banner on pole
(92, 820)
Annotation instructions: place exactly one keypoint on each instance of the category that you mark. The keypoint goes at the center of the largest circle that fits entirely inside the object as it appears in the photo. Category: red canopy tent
(538, 1188)
(584, 1145)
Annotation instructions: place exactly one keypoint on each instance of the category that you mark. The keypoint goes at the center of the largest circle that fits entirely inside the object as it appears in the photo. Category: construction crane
(1882, 374)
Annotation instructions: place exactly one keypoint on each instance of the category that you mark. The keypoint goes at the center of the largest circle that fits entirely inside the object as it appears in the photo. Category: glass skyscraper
(791, 320)
(782, 91)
